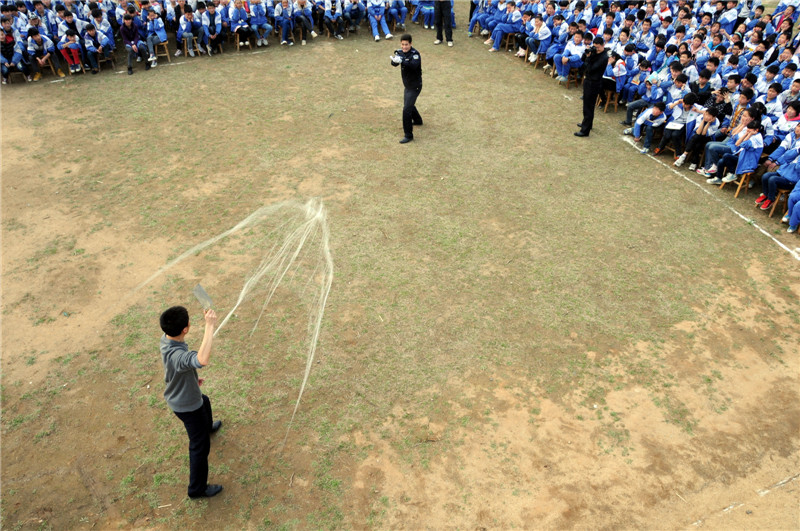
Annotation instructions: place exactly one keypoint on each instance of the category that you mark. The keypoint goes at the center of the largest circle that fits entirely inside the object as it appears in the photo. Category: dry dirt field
(525, 329)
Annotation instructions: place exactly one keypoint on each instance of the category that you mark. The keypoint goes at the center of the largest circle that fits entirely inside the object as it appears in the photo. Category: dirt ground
(513, 340)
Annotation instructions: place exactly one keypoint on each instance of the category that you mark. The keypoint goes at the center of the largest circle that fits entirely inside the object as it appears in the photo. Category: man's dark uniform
(592, 85)
(411, 70)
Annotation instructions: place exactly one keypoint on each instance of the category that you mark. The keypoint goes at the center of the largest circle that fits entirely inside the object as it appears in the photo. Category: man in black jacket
(411, 69)
(595, 61)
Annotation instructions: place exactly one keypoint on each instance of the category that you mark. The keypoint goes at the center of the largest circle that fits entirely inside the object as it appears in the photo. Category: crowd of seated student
(38, 34)
(716, 79)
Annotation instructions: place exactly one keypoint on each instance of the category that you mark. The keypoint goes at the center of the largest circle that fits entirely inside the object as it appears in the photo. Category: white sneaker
(785, 219)
(138, 59)
(450, 44)
(712, 169)
(154, 64)
(377, 39)
(259, 42)
(313, 34)
(303, 42)
(729, 178)
(628, 131)
(152, 59)
(532, 57)
(389, 36)
(339, 37)
(191, 52)
(201, 49)
(679, 161)
(283, 43)
(692, 167)
(437, 41)
(714, 180)
(178, 53)
(484, 32)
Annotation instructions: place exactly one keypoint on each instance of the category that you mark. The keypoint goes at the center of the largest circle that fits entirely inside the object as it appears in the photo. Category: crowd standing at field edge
(716, 80)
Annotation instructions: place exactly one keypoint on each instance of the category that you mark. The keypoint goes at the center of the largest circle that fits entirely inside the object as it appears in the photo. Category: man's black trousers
(442, 16)
(410, 114)
(198, 428)
(591, 89)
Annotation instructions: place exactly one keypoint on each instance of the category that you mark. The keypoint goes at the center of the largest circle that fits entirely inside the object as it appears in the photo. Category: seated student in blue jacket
(96, 45)
(377, 18)
(259, 22)
(156, 34)
(786, 177)
(40, 49)
(284, 19)
(333, 18)
(354, 12)
(698, 134)
(649, 120)
(680, 113)
(240, 22)
(792, 216)
(212, 28)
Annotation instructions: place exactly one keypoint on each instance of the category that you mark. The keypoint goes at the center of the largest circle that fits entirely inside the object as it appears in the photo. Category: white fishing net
(293, 238)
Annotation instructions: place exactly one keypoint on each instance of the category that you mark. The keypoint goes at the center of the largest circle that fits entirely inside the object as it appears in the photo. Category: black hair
(675, 65)
(773, 69)
(713, 60)
(747, 93)
(713, 111)
(660, 105)
(795, 105)
(201, 5)
(672, 49)
(645, 63)
(405, 37)
(689, 99)
(791, 66)
(751, 78)
(97, 13)
(90, 27)
(127, 16)
(32, 32)
(682, 78)
(71, 33)
(736, 78)
(706, 73)
(733, 60)
(630, 48)
(777, 87)
(174, 320)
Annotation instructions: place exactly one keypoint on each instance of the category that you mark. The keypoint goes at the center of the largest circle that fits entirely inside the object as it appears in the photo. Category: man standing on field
(411, 69)
(183, 393)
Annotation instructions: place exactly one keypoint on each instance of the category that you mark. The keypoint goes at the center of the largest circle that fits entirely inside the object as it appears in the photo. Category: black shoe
(623, 122)
(148, 65)
(216, 426)
(211, 490)
(418, 124)
(130, 70)
(580, 133)
(580, 125)
(406, 140)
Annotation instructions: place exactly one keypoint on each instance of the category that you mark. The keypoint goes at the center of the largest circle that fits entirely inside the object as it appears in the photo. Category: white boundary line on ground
(794, 253)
